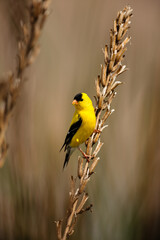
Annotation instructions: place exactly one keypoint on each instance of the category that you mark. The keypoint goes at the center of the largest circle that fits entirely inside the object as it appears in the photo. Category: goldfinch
(82, 125)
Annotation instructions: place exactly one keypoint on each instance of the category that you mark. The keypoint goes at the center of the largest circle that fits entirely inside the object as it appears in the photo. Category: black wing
(73, 129)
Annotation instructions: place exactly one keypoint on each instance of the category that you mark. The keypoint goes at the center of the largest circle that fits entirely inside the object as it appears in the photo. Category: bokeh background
(125, 191)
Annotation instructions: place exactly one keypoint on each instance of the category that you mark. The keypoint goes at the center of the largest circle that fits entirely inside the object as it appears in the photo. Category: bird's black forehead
(78, 97)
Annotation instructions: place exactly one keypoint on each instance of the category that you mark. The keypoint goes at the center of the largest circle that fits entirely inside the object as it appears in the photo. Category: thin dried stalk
(28, 49)
(105, 92)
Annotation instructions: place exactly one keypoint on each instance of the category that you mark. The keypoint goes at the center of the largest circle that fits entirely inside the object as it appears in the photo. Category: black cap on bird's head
(81, 101)
(77, 99)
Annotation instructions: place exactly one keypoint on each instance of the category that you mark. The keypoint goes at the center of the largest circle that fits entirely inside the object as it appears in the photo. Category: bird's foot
(88, 157)
(97, 131)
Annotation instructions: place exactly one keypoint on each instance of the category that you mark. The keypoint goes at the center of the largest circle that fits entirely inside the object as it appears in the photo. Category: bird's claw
(88, 157)
(97, 131)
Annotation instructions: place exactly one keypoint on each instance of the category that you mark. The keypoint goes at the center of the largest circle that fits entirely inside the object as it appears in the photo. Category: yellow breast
(86, 129)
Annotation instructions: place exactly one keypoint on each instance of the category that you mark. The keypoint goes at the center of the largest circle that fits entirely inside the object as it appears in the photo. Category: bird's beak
(75, 102)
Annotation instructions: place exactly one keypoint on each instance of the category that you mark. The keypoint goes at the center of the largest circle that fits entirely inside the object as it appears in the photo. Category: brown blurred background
(125, 190)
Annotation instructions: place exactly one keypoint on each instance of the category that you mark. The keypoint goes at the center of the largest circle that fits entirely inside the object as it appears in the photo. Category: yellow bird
(82, 125)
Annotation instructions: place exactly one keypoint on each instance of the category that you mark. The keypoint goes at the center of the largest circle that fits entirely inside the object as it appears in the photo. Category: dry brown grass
(105, 92)
(28, 49)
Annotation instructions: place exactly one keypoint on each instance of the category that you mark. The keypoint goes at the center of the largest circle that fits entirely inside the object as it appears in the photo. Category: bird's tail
(67, 157)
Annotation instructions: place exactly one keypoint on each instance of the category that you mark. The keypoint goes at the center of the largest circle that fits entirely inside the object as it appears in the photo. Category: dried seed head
(83, 201)
(98, 147)
(106, 54)
(83, 185)
(104, 75)
(98, 86)
(115, 84)
(100, 101)
(94, 164)
(80, 167)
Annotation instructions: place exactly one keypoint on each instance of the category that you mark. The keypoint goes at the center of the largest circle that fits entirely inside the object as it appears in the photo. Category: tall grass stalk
(28, 49)
(106, 84)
